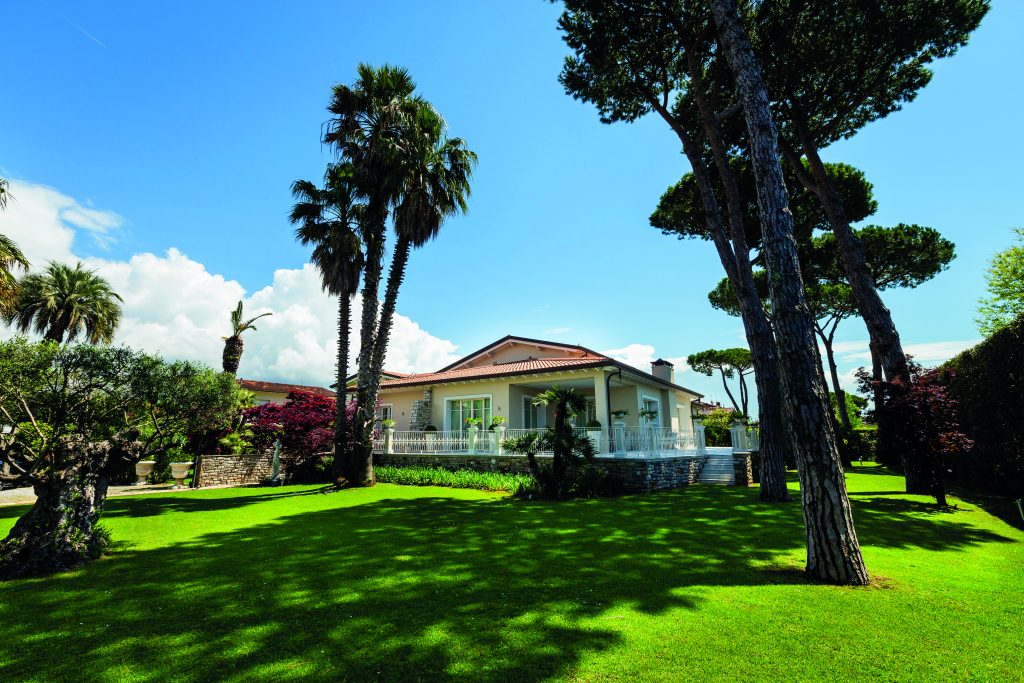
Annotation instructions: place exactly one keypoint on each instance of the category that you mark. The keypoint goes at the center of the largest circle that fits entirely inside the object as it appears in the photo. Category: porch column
(601, 404)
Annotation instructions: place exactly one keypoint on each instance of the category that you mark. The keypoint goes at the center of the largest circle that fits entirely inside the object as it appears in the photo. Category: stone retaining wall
(238, 470)
(742, 467)
(637, 475)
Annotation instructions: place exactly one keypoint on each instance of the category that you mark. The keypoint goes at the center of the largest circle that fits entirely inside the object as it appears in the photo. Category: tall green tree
(1004, 285)
(835, 551)
(834, 67)
(729, 363)
(405, 167)
(234, 346)
(64, 303)
(74, 414)
(328, 220)
(631, 59)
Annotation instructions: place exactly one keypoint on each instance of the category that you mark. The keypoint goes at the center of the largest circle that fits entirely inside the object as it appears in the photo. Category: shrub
(458, 479)
(863, 443)
(989, 387)
(716, 427)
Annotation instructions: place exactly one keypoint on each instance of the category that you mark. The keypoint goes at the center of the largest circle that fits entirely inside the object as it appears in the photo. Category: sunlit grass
(426, 583)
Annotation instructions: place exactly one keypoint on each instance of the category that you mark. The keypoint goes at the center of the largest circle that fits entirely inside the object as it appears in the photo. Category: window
(533, 415)
(458, 410)
(651, 403)
(385, 412)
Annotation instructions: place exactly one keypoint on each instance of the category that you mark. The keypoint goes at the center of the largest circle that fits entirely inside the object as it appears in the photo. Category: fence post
(471, 438)
(739, 437)
(698, 439)
(620, 437)
(499, 436)
(389, 440)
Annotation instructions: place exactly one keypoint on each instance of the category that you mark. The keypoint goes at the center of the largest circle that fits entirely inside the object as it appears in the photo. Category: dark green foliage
(863, 443)
(989, 386)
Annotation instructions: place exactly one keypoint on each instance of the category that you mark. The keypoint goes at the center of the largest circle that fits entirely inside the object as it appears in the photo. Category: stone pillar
(739, 437)
(698, 439)
(742, 469)
(601, 405)
(619, 430)
(499, 436)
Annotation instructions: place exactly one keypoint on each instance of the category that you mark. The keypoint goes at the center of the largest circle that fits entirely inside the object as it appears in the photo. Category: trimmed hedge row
(989, 385)
(457, 479)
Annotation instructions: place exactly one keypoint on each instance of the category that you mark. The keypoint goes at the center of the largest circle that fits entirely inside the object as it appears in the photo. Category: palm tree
(11, 258)
(66, 302)
(326, 219)
(233, 345)
(403, 163)
(367, 119)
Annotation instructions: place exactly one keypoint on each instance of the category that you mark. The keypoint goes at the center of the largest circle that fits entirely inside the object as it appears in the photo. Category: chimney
(662, 369)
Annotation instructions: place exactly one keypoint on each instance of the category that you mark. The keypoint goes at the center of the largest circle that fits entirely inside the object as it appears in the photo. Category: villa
(430, 410)
(275, 392)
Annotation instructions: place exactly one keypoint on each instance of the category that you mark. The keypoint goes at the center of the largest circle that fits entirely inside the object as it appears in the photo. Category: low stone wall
(237, 470)
(637, 475)
(742, 467)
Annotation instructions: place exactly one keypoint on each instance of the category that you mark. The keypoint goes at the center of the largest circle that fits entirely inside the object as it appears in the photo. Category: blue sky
(182, 125)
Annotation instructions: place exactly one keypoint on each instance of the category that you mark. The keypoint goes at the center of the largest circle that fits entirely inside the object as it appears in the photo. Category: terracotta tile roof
(524, 367)
(276, 388)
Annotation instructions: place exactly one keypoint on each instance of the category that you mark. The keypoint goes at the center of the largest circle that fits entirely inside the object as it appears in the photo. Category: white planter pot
(142, 470)
(179, 470)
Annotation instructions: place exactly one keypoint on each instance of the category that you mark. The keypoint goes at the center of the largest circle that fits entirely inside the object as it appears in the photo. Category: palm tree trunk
(360, 465)
(232, 356)
(833, 551)
(363, 451)
(342, 451)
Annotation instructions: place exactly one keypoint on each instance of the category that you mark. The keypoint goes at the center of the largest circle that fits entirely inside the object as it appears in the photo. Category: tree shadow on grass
(182, 501)
(423, 588)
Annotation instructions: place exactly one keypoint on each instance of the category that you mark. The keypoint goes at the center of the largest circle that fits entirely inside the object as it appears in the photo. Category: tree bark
(774, 437)
(232, 356)
(59, 532)
(833, 552)
(844, 427)
(873, 310)
(360, 465)
(342, 451)
(728, 393)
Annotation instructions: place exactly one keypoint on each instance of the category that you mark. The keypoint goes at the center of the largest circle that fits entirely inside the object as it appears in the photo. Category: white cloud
(641, 356)
(45, 222)
(174, 306)
(926, 353)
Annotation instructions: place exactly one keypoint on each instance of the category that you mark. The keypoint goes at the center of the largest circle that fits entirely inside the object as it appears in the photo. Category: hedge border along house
(989, 385)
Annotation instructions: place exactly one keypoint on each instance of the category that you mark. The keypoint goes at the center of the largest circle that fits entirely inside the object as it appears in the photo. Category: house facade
(501, 380)
(275, 392)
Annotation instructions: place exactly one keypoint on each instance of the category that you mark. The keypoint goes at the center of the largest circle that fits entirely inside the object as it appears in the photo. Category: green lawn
(429, 583)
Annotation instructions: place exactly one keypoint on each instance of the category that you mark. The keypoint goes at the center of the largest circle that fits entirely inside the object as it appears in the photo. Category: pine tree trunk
(735, 255)
(341, 430)
(59, 532)
(872, 309)
(845, 428)
(360, 465)
(232, 356)
(833, 552)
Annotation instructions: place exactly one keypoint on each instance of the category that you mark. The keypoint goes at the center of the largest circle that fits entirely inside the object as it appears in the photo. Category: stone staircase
(718, 470)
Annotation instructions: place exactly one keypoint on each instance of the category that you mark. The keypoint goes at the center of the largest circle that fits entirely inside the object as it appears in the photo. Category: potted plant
(620, 413)
(179, 470)
(142, 470)
(388, 424)
(647, 414)
(497, 421)
(473, 425)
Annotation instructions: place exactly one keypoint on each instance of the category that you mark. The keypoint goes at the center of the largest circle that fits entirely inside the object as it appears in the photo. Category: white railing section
(641, 441)
(745, 439)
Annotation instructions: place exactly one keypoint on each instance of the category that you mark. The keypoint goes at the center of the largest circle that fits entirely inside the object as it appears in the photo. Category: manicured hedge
(458, 479)
(989, 385)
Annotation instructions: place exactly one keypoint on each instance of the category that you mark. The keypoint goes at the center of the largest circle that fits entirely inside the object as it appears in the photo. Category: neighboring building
(273, 392)
(706, 408)
(502, 378)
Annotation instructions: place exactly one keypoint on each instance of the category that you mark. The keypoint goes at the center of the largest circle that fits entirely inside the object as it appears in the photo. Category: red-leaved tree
(304, 424)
